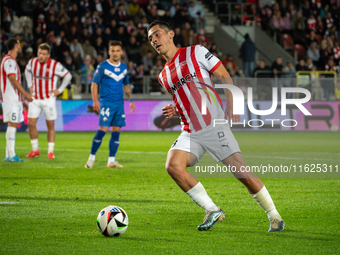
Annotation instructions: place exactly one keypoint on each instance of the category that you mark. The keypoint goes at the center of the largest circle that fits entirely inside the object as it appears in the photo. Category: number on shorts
(103, 112)
(14, 117)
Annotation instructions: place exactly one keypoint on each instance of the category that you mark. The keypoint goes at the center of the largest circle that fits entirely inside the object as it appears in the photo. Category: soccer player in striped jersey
(11, 97)
(181, 77)
(112, 78)
(42, 75)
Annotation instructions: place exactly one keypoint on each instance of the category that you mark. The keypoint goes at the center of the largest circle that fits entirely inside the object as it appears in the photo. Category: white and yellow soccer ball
(112, 221)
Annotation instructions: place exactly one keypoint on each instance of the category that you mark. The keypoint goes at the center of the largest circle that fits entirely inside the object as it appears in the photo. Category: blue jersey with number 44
(111, 79)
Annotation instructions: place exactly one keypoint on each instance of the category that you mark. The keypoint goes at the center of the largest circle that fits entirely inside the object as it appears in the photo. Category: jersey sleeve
(206, 59)
(60, 70)
(126, 78)
(10, 67)
(98, 74)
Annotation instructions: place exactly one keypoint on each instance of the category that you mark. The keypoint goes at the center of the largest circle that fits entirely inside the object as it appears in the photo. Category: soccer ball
(334, 128)
(112, 221)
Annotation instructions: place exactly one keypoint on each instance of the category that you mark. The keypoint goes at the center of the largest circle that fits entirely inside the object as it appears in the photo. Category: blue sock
(113, 144)
(97, 141)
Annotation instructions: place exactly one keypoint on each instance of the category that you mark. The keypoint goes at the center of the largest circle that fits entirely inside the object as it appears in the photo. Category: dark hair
(162, 24)
(11, 43)
(45, 46)
(115, 43)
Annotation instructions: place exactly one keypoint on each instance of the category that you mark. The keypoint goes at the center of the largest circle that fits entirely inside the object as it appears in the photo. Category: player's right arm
(94, 92)
(94, 87)
(28, 76)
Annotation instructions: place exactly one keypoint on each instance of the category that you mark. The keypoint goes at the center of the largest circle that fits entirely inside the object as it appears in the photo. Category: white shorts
(219, 141)
(47, 105)
(12, 112)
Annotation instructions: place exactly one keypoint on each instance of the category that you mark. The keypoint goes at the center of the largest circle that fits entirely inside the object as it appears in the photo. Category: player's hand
(235, 118)
(28, 97)
(54, 93)
(96, 106)
(169, 111)
(25, 105)
(132, 107)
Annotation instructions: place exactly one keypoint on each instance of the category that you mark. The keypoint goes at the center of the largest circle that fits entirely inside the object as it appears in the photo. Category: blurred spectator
(148, 62)
(76, 46)
(201, 38)
(299, 35)
(230, 59)
(133, 50)
(76, 60)
(301, 66)
(87, 71)
(69, 65)
(130, 26)
(336, 52)
(85, 35)
(276, 22)
(157, 68)
(147, 47)
(42, 23)
(89, 50)
(100, 47)
(329, 20)
(213, 48)
(313, 53)
(27, 36)
(311, 39)
(29, 54)
(120, 36)
(277, 66)
(331, 66)
(74, 12)
(311, 22)
(178, 39)
(310, 65)
(52, 24)
(109, 15)
(122, 15)
(197, 14)
(298, 19)
(320, 26)
(134, 7)
(78, 26)
(247, 53)
(286, 24)
(229, 67)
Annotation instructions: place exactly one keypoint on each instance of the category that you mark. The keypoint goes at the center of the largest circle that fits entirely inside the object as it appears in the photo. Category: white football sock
(201, 198)
(6, 152)
(50, 147)
(10, 141)
(111, 159)
(35, 144)
(265, 201)
(92, 157)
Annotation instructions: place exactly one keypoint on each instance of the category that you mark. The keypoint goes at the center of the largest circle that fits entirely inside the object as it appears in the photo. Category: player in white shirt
(11, 97)
(42, 75)
(188, 66)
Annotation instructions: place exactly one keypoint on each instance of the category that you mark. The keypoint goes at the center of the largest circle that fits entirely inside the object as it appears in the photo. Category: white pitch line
(249, 156)
(8, 203)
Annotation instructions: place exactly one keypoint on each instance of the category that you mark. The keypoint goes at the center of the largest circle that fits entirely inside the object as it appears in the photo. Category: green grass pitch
(50, 206)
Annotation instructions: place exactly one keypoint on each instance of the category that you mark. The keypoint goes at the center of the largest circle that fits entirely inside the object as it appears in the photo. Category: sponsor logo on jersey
(188, 78)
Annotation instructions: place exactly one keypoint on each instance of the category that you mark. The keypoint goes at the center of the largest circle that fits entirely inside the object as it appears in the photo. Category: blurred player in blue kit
(112, 78)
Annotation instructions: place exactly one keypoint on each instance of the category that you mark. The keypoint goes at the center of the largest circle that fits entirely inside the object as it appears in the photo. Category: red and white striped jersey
(187, 79)
(44, 76)
(8, 92)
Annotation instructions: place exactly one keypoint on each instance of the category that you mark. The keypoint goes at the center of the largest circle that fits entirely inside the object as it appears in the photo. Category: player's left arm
(221, 73)
(63, 73)
(128, 93)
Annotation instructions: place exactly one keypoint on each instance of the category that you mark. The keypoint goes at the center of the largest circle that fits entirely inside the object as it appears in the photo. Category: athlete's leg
(33, 132)
(50, 138)
(10, 139)
(257, 190)
(176, 164)
(113, 147)
(96, 142)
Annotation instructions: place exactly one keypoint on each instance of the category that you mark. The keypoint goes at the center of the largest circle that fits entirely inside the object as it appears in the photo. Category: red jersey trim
(215, 67)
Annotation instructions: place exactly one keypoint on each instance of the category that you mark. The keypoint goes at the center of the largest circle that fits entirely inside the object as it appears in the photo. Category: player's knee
(31, 124)
(173, 168)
